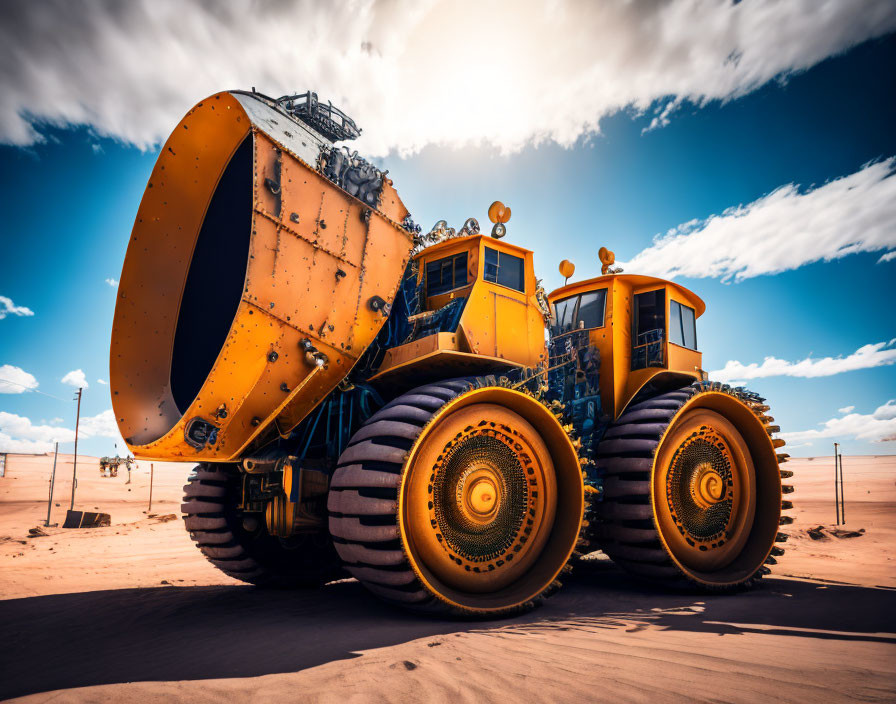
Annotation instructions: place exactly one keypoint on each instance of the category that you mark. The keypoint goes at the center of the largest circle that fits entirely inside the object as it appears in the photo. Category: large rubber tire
(240, 546)
(375, 503)
(635, 526)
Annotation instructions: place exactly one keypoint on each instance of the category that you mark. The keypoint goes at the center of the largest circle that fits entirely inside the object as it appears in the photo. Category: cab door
(649, 330)
(510, 312)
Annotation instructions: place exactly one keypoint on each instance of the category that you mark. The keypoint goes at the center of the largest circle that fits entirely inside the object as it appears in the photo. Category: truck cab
(478, 313)
(644, 329)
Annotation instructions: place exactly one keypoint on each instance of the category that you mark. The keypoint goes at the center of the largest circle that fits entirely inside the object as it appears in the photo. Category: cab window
(447, 274)
(648, 320)
(565, 315)
(582, 311)
(648, 328)
(504, 269)
(591, 309)
(682, 325)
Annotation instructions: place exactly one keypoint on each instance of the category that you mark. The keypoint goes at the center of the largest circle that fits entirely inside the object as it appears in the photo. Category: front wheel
(692, 489)
(458, 498)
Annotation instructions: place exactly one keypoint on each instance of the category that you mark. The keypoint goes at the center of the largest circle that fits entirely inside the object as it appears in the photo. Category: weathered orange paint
(311, 279)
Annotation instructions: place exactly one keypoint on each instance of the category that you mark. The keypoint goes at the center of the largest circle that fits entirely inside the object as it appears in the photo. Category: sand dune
(87, 618)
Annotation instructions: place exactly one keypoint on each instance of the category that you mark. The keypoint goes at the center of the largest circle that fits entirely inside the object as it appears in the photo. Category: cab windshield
(580, 312)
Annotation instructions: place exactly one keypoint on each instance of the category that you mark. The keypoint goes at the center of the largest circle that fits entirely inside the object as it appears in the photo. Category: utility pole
(836, 486)
(75, 469)
(842, 495)
(52, 484)
(151, 473)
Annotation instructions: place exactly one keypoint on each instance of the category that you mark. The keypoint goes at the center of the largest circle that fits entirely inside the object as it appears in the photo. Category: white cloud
(19, 434)
(411, 73)
(888, 257)
(112, 282)
(7, 307)
(31, 447)
(14, 380)
(102, 381)
(102, 425)
(75, 378)
(879, 426)
(782, 230)
(21, 429)
(879, 354)
(794, 446)
(846, 409)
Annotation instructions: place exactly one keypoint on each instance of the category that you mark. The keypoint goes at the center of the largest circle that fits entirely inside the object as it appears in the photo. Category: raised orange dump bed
(251, 284)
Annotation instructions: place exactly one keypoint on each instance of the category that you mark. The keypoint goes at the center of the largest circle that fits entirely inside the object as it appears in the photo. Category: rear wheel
(693, 492)
(458, 499)
(239, 544)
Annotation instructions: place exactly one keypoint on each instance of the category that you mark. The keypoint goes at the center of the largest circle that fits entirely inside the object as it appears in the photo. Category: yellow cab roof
(636, 281)
(469, 240)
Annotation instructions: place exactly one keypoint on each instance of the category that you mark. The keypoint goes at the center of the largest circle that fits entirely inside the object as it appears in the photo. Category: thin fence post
(842, 495)
(75, 468)
(52, 484)
(836, 489)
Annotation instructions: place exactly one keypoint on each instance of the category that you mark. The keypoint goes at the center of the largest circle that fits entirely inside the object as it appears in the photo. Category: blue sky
(69, 203)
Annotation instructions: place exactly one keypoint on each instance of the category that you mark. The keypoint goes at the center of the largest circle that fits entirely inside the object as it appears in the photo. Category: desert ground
(132, 612)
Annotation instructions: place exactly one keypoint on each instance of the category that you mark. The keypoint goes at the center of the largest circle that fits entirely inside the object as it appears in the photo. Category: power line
(28, 388)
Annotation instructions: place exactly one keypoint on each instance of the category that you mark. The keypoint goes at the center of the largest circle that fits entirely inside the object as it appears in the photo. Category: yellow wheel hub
(491, 501)
(485, 506)
(707, 486)
(704, 490)
(478, 494)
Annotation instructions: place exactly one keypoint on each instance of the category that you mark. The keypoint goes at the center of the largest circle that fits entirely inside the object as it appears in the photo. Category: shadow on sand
(188, 633)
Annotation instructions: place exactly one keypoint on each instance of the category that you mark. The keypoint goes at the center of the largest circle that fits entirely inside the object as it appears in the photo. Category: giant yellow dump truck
(364, 399)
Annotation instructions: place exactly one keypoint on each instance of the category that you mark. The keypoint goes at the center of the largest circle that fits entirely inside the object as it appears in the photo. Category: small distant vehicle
(413, 409)
(109, 465)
